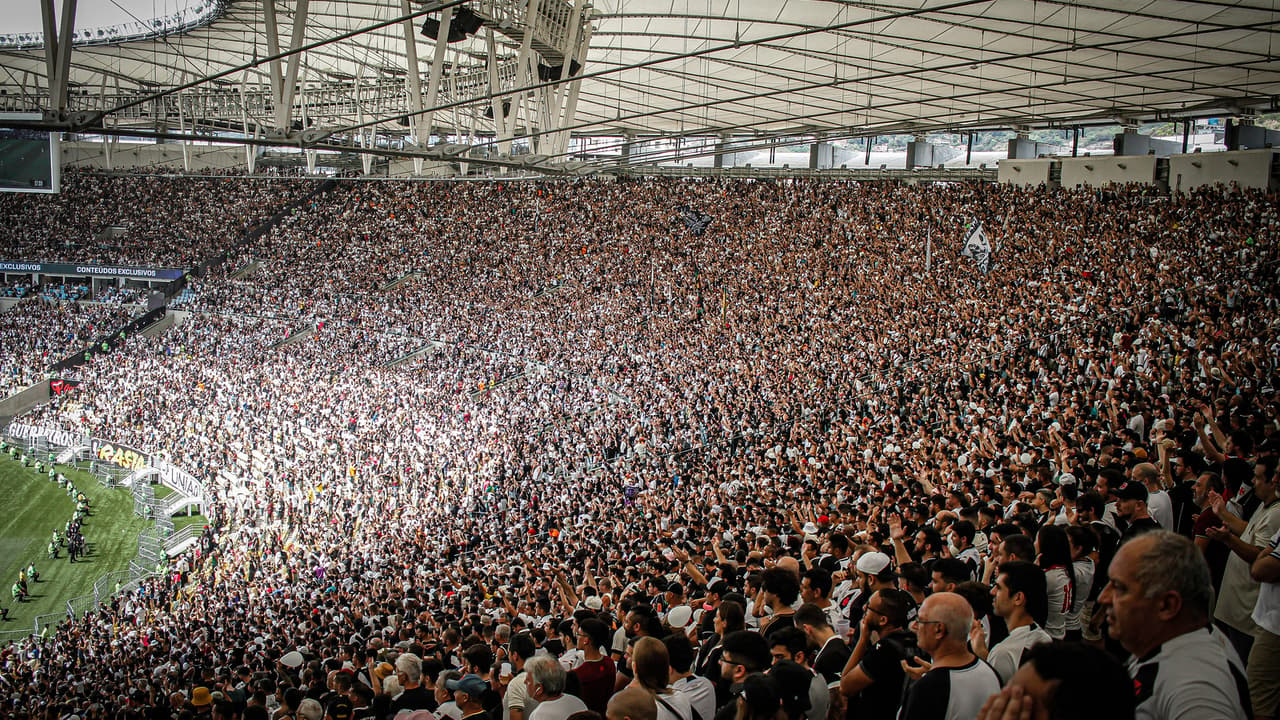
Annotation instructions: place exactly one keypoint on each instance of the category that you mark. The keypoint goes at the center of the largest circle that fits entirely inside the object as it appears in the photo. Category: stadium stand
(436, 418)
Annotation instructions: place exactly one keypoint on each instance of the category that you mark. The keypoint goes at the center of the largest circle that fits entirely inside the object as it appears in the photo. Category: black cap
(1131, 490)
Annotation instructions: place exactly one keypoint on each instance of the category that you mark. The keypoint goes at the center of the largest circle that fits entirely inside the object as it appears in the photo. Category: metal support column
(495, 102)
(424, 121)
(274, 72)
(284, 110)
(57, 50)
(968, 152)
(1186, 133)
(524, 61)
(1075, 141)
(571, 104)
(556, 98)
(250, 151)
(365, 136)
(185, 145)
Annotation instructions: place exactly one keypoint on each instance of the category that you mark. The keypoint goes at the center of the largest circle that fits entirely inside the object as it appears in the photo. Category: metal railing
(153, 543)
(184, 535)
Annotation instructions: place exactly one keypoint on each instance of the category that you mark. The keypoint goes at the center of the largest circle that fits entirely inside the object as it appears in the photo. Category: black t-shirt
(1139, 527)
(339, 707)
(831, 659)
(1185, 510)
(855, 611)
(418, 698)
(779, 622)
(1108, 543)
(883, 664)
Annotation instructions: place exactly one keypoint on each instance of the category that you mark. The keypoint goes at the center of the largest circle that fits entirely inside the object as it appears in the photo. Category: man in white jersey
(1157, 605)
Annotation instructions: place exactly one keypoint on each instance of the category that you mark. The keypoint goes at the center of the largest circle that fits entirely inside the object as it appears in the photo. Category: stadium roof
(664, 68)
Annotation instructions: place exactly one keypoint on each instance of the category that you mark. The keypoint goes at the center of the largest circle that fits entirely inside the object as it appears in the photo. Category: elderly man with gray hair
(545, 679)
(414, 697)
(1157, 605)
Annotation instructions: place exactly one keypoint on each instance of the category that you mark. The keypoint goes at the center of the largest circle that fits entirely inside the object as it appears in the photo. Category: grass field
(32, 507)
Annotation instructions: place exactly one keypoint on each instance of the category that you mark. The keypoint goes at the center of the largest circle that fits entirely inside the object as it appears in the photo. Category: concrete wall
(24, 400)
(919, 154)
(1024, 149)
(1103, 170)
(1247, 168)
(1131, 143)
(1251, 137)
(1024, 173)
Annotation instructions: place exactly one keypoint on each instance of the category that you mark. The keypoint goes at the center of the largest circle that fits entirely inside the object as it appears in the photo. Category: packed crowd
(37, 333)
(784, 468)
(137, 219)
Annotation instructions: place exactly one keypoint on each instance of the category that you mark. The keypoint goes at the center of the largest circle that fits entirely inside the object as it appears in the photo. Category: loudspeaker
(506, 109)
(465, 24)
(547, 73)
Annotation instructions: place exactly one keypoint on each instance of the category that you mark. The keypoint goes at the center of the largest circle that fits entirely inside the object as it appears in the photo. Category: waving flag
(977, 246)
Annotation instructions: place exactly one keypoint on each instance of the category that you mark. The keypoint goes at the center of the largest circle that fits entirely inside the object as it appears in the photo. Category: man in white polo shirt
(1021, 598)
(1264, 658)
(1157, 606)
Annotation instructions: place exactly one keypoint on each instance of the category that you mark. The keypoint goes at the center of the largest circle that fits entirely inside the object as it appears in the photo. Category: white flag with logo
(977, 246)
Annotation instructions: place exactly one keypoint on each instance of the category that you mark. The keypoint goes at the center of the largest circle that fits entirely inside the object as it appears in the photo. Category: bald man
(632, 703)
(955, 683)
(1159, 503)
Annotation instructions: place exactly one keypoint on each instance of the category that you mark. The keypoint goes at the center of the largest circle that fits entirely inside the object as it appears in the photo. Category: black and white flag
(694, 220)
(977, 246)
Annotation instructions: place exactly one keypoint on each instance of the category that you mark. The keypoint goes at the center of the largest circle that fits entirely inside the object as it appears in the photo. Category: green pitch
(32, 507)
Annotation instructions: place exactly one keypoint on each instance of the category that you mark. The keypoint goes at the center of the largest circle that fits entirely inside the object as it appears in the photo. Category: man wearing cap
(1131, 506)
(467, 693)
(875, 573)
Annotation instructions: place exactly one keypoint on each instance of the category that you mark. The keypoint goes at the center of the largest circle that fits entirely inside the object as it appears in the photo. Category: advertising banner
(119, 455)
(124, 271)
(57, 386)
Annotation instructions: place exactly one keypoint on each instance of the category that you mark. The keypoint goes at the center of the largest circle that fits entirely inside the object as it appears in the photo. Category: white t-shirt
(1161, 508)
(1084, 572)
(679, 702)
(558, 709)
(701, 693)
(1058, 585)
(518, 697)
(1191, 677)
(1006, 656)
(1266, 612)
